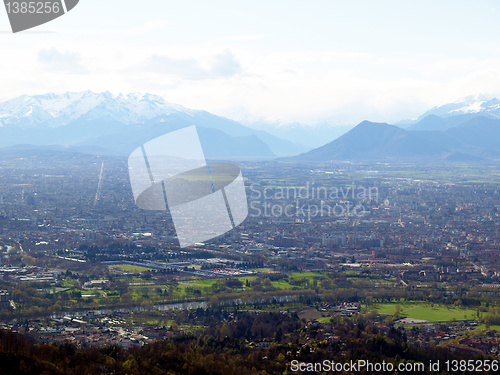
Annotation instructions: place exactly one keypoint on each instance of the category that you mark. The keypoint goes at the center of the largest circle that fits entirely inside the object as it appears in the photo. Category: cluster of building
(83, 331)
(16, 274)
(4, 298)
(413, 230)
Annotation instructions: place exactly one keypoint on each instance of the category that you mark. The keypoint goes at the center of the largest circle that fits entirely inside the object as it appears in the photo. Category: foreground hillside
(246, 343)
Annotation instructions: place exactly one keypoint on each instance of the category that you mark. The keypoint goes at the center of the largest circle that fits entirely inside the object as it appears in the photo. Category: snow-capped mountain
(476, 104)
(117, 124)
(57, 110)
(454, 114)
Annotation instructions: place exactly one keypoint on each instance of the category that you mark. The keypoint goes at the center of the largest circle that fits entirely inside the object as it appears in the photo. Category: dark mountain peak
(375, 141)
(465, 131)
(367, 124)
(368, 127)
(372, 132)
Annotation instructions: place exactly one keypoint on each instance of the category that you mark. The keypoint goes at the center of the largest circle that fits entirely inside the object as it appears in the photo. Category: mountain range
(457, 113)
(108, 124)
(101, 123)
(465, 131)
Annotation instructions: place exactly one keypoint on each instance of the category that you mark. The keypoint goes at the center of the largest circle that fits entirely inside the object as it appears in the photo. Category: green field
(249, 278)
(424, 311)
(201, 283)
(86, 292)
(305, 275)
(301, 275)
(262, 270)
(129, 268)
(55, 290)
(324, 320)
(482, 327)
(180, 289)
(460, 173)
(281, 284)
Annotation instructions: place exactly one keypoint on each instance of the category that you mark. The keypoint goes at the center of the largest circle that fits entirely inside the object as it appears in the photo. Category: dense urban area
(336, 261)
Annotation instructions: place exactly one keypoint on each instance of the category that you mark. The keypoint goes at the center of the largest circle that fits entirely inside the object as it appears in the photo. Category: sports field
(426, 311)
(129, 268)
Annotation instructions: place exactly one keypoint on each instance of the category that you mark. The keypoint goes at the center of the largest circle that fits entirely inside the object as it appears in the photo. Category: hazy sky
(305, 61)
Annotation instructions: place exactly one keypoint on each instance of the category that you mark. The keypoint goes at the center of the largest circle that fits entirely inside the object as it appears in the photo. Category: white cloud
(66, 62)
(223, 64)
(340, 62)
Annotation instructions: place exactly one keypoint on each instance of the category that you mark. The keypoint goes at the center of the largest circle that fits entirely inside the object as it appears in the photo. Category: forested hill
(243, 343)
